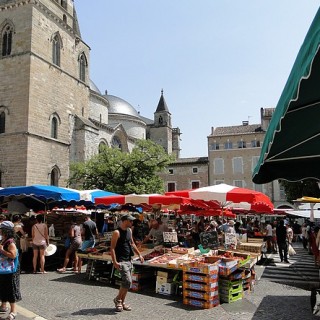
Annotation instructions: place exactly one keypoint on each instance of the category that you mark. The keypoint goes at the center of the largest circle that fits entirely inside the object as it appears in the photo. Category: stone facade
(186, 173)
(234, 152)
(54, 114)
(34, 90)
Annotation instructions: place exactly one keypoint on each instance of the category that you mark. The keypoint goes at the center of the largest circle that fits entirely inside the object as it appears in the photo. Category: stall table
(231, 266)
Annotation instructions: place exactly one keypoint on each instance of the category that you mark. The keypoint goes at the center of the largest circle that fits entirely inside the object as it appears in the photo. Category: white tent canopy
(307, 206)
(304, 213)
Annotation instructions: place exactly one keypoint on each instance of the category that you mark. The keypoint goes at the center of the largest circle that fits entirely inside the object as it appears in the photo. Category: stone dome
(120, 106)
(93, 87)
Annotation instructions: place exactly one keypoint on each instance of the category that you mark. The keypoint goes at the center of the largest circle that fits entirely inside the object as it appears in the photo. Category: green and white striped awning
(291, 148)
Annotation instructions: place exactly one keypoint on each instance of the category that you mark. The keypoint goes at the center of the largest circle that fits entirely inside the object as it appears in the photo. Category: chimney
(245, 123)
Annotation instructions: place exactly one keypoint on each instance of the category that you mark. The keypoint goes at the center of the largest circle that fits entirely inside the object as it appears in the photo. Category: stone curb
(28, 314)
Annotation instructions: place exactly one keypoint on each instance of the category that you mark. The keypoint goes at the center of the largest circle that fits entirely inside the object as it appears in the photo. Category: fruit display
(182, 250)
(164, 259)
(153, 254)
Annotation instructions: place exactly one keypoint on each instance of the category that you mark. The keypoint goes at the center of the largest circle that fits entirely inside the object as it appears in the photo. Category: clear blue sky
(218, 61)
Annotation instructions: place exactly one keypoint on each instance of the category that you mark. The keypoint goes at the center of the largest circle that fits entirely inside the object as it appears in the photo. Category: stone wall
(163, 137)
(33, 90)
(182, 175)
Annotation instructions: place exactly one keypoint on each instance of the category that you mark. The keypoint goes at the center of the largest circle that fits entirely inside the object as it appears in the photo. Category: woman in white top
(289, 233)
(40, 240)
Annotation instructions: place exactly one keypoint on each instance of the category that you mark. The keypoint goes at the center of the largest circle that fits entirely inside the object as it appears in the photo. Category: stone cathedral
(51, 113)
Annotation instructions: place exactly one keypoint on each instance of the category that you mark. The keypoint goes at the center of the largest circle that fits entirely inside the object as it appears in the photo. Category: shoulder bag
(8, 265)
(42, 235)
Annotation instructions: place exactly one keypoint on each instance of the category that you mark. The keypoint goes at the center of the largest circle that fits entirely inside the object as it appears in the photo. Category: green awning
(291, 148)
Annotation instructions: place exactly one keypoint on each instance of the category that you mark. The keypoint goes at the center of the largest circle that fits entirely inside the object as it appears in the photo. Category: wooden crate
(198, 277)
(203, 295)
(201, 303)
(200, 267)
(213, 286)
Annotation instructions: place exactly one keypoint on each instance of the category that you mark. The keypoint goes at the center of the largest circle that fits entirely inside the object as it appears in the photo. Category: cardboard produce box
(165, 288)
(162, 280)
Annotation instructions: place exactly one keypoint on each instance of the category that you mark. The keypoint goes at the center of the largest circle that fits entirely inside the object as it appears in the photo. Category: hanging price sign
(170, 237)
(108, 236)
(230, 239)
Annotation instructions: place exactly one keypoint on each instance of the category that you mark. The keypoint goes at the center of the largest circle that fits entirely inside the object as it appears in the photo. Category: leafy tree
(295, 190)
(124, 173)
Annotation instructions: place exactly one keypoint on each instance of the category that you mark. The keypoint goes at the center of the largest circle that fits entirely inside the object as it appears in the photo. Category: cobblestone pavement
(69, 296)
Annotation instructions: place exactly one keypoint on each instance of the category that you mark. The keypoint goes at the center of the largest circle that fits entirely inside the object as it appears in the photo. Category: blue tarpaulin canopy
(42, 197)
(37, 197)
(43, 193)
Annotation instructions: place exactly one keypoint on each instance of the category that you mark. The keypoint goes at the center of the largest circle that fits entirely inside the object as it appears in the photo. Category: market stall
(228, 196)
(203, 278)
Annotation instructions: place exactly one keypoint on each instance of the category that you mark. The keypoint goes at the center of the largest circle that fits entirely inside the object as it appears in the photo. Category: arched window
(2, 122)
(54, 128)
(64, 17)
(7, 40)
(54, 177)
(160, 120)
(82, 67)
(116, 143)
(56, 48)
(64, 4)
(102, 146)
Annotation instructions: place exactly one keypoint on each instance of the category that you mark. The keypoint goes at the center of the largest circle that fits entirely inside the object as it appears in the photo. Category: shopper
(304, 236)
(90, 233)
(122, 247)
(296, 231)
(269, 237)
(9, 283)
(75, 244)
(274, 237)
(21, 242)
(289, 233)
(40, 241)
(314, 243)
(282, 241)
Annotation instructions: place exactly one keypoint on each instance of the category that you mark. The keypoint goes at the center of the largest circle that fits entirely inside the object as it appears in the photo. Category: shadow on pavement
(76, 278)
(280, 307)
(301, 273)
(95, 312)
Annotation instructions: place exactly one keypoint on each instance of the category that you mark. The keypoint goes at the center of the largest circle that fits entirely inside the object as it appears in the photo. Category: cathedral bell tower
(161, 130)
(44, 87)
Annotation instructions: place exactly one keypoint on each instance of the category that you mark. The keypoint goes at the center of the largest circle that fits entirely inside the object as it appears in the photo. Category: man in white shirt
(269, 237)
(156, 233)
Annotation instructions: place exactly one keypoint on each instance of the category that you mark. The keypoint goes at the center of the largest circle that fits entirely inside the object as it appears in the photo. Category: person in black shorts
(282, 241)
(122, 247)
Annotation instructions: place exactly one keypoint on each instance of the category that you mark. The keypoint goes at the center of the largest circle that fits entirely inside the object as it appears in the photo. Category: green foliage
(124, 173)
(295, 190)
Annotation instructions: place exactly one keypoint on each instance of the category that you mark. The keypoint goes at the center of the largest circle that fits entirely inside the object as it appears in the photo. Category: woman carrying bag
(10, 270)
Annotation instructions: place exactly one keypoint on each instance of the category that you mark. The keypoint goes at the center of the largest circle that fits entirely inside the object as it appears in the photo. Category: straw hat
(50, 250)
